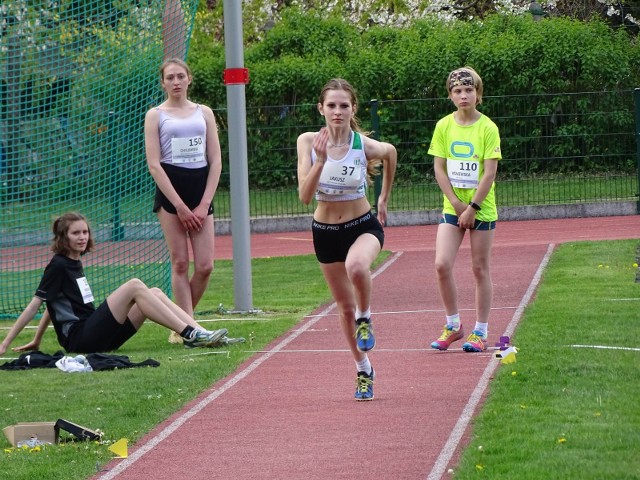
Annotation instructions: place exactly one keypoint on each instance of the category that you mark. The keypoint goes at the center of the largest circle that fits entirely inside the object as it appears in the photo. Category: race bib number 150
(187, 150)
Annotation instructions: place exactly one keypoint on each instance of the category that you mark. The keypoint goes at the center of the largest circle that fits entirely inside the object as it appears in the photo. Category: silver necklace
(338, 145)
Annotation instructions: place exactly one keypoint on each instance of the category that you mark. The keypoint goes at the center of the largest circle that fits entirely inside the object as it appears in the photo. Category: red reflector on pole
(236, 76)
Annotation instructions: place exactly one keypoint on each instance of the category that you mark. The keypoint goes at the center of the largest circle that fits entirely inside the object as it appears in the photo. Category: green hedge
(515, 56)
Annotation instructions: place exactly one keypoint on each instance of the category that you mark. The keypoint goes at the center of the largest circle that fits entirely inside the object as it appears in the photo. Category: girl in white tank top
(334, 165)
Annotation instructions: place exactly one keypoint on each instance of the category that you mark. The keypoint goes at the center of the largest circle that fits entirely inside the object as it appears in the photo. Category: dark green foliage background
(516, 57)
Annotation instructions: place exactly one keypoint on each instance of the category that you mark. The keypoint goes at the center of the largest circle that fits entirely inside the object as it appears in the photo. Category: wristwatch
(475, 206)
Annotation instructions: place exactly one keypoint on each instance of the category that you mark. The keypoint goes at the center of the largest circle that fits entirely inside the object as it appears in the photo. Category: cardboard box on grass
(47, 431)
(20, 432)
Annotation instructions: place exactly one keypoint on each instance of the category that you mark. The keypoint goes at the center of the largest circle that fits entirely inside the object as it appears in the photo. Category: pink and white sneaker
(449, 335)
(476, 342)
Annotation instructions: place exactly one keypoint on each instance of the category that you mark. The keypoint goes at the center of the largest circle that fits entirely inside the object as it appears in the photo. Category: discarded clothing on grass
(35, 359)
(103, 361)
(79, 363)
(96, 361)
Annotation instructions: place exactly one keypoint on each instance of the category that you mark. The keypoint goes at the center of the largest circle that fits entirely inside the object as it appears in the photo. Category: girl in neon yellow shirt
(466, 150)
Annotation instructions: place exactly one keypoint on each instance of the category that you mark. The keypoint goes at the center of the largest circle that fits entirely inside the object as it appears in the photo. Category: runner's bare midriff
(340, 212)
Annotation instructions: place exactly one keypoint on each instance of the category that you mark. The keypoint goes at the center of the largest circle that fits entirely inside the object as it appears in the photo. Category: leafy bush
(533, 74)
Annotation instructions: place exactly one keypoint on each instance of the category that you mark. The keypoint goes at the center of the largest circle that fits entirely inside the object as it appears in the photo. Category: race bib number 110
(463, 173)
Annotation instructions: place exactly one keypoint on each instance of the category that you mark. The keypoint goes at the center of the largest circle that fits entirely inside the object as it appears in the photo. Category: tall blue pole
(235, 78)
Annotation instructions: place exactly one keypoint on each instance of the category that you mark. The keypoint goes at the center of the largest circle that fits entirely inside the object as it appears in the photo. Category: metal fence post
(636, 101)
(377, 180)
(117, 231)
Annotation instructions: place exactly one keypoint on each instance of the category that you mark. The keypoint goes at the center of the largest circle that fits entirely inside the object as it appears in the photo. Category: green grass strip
(558, 412)
(129, 403)
(562, 411)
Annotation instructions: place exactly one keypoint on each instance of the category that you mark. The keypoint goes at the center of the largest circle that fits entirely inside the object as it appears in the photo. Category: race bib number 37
(338, 177)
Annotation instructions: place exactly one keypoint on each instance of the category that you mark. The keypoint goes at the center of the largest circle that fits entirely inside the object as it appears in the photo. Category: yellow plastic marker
(120, 448)
(508, 355)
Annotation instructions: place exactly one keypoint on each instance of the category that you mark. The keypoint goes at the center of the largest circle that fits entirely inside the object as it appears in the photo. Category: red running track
(289, 412)
(422, 237)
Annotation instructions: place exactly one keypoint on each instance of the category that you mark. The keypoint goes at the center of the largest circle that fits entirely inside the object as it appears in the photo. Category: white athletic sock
(361, 314)
(364, 365)
(482, 327)
(454, 321)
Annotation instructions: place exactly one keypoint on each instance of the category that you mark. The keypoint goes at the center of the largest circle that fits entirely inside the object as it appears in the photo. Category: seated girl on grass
(80, 327)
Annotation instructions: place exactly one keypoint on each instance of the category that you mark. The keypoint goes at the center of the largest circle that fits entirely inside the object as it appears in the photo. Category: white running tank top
(183, 141)
(344, 179)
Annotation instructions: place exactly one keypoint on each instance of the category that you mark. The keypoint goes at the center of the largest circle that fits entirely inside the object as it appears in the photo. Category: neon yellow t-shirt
(465, 148)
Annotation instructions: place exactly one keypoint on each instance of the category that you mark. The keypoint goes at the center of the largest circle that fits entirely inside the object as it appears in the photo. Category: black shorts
(333, 241)
(478, 225)
(189, 183)
(100, 332)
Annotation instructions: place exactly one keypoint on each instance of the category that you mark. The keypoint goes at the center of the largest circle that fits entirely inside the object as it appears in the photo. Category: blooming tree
(260, 14)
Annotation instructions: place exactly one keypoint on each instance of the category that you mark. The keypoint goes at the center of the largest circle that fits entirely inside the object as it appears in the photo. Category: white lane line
(295, 239)
(605, 347)
(339, 350)
(270, 317)
(461, 425)
(152, 442)
(431, 310)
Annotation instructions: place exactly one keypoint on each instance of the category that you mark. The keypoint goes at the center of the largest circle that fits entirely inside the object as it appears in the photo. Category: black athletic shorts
(100, 332)
(333, 241)
(189, 183)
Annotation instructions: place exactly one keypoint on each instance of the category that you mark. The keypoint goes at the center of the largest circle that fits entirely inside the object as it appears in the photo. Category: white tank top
(344, 179)
(183, 141)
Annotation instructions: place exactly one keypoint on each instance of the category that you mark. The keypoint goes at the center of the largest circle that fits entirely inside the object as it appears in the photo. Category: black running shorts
(333, 241)
(189, 183)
